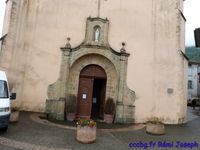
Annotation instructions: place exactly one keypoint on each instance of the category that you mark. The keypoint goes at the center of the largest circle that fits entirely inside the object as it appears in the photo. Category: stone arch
(94, 59)
(93, 71)
(93, 53)
(114, 60)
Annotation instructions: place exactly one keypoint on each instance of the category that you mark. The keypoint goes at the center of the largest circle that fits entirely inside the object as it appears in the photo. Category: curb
(35, 117)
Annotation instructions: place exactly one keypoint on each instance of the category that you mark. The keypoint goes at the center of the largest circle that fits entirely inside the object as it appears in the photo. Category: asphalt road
(30, 135)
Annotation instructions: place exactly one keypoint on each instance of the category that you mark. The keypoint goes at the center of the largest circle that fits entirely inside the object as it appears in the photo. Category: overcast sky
(191, 12)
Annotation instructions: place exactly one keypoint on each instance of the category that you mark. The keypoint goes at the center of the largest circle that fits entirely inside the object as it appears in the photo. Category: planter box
(71, 116)
(155, 128)
(86, 134)
(108, 118)
(14, 116)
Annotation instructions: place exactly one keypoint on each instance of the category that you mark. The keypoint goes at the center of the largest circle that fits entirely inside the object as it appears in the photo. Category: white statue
(97, 35)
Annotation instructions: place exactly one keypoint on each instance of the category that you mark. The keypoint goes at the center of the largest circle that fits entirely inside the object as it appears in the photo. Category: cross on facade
(99, 7)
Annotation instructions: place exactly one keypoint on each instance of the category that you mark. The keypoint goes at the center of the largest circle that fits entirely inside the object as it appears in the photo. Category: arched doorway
(75, 79)
(91, 92)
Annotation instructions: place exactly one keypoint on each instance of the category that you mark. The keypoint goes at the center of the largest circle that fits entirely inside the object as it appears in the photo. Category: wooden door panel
(85, 97)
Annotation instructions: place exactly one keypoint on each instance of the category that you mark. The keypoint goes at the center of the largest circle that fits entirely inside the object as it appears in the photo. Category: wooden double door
(91, 92)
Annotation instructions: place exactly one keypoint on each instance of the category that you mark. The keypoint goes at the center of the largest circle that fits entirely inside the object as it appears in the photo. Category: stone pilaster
(55, 104)
(64, 70)
(122, 86)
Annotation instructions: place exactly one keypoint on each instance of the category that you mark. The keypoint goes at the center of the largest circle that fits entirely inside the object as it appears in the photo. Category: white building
(193, 55)
(193, 80)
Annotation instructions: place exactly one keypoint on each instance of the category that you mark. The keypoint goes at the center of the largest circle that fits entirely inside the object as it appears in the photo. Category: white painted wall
(198, 83)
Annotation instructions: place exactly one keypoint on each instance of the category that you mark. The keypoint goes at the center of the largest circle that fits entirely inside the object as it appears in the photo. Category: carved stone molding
(96, 50)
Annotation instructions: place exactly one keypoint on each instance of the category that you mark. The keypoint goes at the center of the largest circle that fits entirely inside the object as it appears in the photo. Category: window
(3, 89)
(190, 70)
(97, 32)
(190, 86)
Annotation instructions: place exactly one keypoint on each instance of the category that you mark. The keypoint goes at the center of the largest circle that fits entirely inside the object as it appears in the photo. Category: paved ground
(31, 135)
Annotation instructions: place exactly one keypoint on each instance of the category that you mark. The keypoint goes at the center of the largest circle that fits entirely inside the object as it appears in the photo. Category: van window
(3, 89)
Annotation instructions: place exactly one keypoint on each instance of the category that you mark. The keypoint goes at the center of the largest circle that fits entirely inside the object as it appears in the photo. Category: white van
(4, 101)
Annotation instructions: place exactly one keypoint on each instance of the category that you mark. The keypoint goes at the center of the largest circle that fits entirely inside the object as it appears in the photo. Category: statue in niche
(97, 34)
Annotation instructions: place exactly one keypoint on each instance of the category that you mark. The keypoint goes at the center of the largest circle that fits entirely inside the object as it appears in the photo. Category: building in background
(193, 55)
(146, 75)
(197, 37)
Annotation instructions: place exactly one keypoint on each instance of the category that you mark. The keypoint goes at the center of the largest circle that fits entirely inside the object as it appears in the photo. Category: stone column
(122, 83)
(55, 104)
(64, 70)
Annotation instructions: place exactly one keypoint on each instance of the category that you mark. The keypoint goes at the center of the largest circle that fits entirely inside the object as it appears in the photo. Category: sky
(192, 15)
(191, 12)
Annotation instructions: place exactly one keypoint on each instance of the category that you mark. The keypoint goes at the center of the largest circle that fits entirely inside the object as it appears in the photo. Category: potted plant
(71, 108)
(109, 111)
(155, 126)
(14, 116)
(86, 130)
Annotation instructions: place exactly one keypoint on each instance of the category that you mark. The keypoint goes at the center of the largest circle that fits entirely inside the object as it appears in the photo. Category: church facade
(130, 51)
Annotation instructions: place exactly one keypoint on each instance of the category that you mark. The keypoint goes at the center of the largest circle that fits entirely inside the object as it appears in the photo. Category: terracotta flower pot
(155, 128)
(86, 134)
(71, 116)
(108, 118)
(14, 116)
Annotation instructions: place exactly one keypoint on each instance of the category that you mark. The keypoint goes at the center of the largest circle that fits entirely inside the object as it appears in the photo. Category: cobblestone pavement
(30, 135)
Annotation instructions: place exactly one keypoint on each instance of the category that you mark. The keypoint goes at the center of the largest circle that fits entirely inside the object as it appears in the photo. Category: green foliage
(109, 107)
(86, 122)
(155, 120)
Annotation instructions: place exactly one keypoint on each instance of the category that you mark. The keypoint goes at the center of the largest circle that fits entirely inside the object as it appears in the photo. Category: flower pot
(14, 116)
(86, 134)
(71, 116)
(108, 118)
(155, 128)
